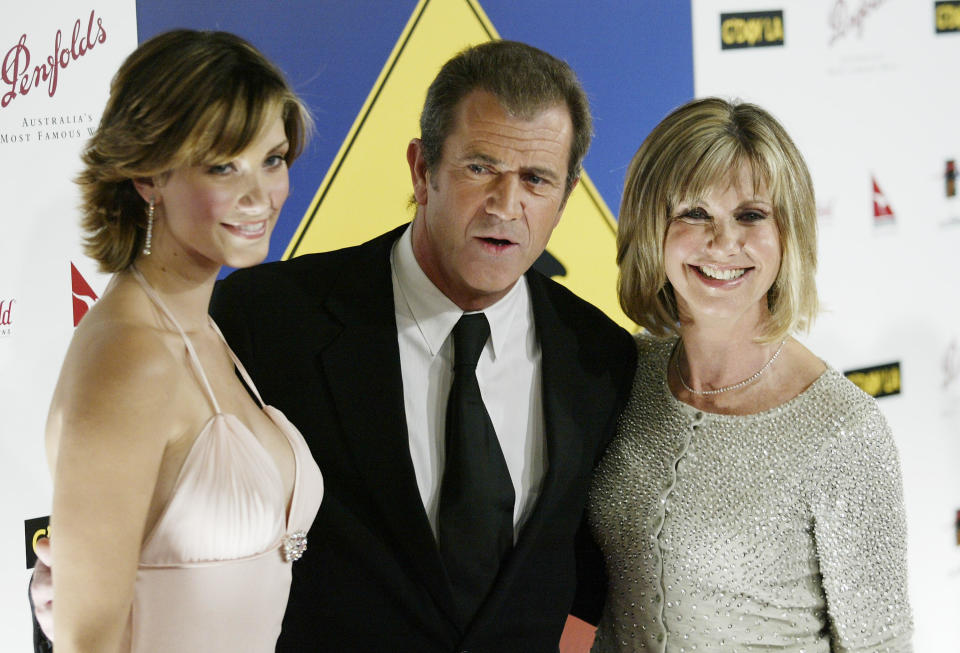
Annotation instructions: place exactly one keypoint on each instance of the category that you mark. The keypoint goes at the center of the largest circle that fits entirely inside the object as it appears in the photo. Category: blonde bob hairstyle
(695, 148)
(183, 98)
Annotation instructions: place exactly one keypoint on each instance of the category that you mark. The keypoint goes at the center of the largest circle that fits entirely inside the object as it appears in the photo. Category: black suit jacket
(319, 337)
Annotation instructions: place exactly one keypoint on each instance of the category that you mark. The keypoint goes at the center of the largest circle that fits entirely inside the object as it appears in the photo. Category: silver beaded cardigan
(782, 530)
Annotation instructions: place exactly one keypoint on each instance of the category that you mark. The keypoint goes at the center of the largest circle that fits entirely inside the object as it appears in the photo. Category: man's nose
(504, 199)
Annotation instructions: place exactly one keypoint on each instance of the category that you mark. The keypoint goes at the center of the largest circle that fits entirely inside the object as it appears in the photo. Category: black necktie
(475, 525)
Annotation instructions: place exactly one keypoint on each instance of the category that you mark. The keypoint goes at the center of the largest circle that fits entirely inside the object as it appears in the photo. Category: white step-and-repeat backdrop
(56, 60)
(868, 90)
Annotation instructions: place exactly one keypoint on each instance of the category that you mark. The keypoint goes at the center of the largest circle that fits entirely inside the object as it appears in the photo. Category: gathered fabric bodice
(215, 570)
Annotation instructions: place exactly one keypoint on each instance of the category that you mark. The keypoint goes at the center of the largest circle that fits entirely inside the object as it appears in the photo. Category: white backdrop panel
(42, 129)
(862, 86)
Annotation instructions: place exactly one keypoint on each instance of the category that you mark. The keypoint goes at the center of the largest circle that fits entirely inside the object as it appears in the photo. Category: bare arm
(107, 431)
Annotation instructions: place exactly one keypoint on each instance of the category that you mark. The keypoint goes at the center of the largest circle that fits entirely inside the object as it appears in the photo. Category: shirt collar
(436, 315)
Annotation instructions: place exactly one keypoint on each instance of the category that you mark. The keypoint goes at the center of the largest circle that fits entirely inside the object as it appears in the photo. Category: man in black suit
(355, 347)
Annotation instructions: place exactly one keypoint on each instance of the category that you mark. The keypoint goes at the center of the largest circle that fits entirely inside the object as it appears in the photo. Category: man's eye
(476, 169)
(535, 180)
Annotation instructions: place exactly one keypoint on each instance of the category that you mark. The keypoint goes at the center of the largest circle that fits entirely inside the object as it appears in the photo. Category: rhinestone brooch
(294, 545)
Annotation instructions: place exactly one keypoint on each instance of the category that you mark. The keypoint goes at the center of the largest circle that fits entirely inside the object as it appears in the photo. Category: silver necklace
(725, 388)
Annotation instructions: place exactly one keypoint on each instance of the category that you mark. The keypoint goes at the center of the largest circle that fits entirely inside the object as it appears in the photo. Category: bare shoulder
(118, 374)
(116, 355)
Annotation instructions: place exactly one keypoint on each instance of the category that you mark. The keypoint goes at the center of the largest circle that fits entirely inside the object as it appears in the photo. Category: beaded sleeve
(860, 533)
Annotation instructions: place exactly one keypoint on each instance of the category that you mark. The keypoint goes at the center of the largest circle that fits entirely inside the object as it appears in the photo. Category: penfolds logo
(6, 316)
(20, 75)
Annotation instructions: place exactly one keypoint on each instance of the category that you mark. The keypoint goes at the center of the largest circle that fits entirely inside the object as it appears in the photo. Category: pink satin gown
(215, 572)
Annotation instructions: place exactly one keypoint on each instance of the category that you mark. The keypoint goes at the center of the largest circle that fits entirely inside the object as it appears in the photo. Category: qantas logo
(83, 295)
(882, 211)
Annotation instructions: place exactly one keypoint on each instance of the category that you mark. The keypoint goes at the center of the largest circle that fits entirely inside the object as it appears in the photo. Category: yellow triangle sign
(367, 189)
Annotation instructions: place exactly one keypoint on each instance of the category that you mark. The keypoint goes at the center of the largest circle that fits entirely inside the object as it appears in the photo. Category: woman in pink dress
(180, 498)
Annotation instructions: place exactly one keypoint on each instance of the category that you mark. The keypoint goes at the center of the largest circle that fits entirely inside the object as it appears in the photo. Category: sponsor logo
(847, 17)
(882, 211)
(877, 381)
(33, 530)
(20, 75)
(752, 29)
(83, 295)
(6, 316)
(946, 17)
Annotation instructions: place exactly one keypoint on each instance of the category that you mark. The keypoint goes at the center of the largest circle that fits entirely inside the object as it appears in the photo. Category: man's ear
(563, 204)
(418, 170)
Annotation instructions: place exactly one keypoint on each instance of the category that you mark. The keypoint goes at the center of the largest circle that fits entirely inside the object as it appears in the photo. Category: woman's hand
(41, 587)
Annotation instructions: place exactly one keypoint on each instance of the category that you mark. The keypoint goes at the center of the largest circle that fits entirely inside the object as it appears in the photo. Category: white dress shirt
(508, 374)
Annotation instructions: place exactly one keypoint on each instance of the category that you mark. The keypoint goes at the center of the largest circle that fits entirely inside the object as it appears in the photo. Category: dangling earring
(146, 244)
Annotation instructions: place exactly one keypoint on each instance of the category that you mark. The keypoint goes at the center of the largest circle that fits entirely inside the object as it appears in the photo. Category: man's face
(487, 210)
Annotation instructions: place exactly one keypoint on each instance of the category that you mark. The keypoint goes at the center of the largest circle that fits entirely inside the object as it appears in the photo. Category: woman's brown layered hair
(182, 98)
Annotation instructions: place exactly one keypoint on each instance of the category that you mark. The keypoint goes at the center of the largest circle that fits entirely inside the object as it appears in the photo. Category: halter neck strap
(191, 352)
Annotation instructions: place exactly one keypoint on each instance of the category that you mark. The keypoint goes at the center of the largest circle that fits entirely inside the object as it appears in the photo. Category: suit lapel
(561, 380)
(362, 361)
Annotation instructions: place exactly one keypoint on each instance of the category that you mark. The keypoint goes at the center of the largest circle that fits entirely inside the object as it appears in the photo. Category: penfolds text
(6, 319)
(20, 74)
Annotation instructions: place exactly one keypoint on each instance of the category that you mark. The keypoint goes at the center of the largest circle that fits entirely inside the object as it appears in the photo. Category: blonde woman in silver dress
(752, 498)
